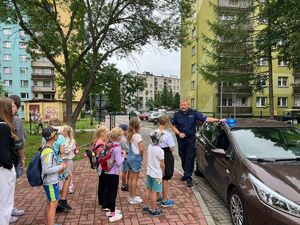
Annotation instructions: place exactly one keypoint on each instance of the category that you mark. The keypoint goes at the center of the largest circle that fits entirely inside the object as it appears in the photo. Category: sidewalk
(86, 210)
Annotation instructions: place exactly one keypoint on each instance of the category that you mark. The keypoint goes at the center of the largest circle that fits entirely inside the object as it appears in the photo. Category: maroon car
(254, 165)
(144, 116)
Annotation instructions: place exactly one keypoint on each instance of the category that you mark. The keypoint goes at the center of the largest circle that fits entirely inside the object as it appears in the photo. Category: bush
(82, 114)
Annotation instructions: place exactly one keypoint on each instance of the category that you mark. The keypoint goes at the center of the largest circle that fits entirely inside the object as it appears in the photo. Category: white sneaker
(13, 219)
(17, 212)
(115, 218)
(135, 200)
(108, 214)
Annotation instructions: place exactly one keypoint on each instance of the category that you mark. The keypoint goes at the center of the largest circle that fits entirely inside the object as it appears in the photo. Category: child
(168, 145)
(111, 187)
(155, 168)
(50, 172)
(65, 177)
(125, 147)
(70, 146)
(134, 158)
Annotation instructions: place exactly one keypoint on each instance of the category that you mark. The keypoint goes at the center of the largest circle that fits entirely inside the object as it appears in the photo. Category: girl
(100, 137)
(8, 160)
(111, 186)
(134, 158)
(70, 144)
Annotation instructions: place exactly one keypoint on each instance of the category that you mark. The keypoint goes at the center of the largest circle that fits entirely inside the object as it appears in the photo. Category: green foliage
(176, 101)
(3, 92)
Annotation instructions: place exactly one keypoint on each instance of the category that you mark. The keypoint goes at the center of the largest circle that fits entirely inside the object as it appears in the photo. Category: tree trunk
(271, 93)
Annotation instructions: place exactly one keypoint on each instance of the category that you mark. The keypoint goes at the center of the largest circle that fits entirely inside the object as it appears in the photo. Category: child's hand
(63, 167)
(159, 180)
(123, 153)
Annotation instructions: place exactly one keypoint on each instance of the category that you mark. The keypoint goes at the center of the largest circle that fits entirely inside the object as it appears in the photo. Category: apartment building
(228, 100)
(155, 84)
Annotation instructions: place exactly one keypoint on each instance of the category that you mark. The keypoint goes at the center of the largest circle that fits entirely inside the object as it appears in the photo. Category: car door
(217, 165)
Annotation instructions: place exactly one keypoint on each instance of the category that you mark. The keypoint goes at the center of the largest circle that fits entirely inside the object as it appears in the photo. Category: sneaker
(71, 191)
(13, 219)
(146, 209)
(64, 204)
(156, 212)
(115, 218)
(124, 187)
(167, 203)
(17, 212)
(108, 214)
(189, 183)
(135, 200)
(105, 209)
(160, 199)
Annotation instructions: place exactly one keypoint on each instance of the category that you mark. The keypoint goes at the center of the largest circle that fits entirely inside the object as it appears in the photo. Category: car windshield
(268, 142)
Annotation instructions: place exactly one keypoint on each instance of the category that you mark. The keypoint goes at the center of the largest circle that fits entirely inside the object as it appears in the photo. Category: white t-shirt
(155, 154)
(167, 140)
(136, 139)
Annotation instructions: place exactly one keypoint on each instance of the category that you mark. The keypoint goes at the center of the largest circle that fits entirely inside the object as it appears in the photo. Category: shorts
(125, 166)
(52, 192)
(152, 183)
(134, 162)
(169, 165)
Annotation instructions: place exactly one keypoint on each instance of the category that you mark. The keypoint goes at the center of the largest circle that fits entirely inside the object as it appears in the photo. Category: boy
(155, 168)
(125, 147)
(167, 143)
(50, 172)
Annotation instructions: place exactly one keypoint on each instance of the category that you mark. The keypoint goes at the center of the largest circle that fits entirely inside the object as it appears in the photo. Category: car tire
(237, 208)
(198, 171)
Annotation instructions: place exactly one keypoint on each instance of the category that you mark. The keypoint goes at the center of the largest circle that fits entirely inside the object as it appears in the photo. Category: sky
(153, 60)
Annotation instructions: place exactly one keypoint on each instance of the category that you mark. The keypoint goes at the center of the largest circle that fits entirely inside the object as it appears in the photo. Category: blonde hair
(116, 134)
(164, 120)
(54, 122)
(99, 131)
(6, 114)
(134, 127)
(70, 132)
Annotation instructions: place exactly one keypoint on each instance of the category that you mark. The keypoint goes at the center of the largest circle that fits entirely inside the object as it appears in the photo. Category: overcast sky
(157, 62)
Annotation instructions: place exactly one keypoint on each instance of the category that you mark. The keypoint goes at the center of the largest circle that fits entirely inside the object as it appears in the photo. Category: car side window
(222, 140)
(209, 131)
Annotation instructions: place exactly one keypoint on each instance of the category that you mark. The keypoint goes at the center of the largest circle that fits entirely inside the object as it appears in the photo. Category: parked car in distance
(154, 117)
(144, 116)
(170, 114)
(291, 116)
(254, 166)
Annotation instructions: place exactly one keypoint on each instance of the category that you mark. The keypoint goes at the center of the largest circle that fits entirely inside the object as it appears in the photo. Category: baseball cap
(155, 136)
(49, 132)
(123, 126)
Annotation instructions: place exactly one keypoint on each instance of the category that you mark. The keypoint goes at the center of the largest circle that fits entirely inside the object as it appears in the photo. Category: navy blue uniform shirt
(186, 122)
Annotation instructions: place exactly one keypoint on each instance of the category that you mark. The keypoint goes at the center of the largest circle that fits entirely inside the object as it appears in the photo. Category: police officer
(184, 126)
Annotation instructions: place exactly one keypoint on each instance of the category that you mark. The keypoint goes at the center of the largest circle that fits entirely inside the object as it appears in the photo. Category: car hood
(281, 177)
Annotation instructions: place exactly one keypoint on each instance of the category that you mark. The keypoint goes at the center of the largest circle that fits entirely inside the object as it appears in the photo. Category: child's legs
(169, 172)
(52, 194)
(165, 186)
(153, 196)
(124, 178)
(156, 189)
(70, 166)
(50, 212)
(113, 184)
(133, 183)
(148, 191)
(127, 177)
(65, 188)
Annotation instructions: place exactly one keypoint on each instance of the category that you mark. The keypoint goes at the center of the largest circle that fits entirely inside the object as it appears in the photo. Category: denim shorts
(134, 162)
(153, 184)
(125, 166)
(52, 192)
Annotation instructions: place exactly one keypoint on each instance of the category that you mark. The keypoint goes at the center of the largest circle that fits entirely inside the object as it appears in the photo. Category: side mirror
(219, 152)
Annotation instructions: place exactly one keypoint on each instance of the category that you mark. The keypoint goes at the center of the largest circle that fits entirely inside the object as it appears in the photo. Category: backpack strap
(45, 151)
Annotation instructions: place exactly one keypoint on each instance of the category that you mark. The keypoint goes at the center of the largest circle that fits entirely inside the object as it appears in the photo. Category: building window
(193, 85)
(22, 44)
(24, 83)
(23, 70)
(226, 101)
(7, 70)
(24, 95)
(192, 102)
(262, 62)
(282, 63)
(7, 83)
(6, 31)
(6, 57)
(23, 58)
(282, 81)
(193, 68)
(6, 44)
(260, 101)
(193, 50)
(282, 102)
(47, 96)
(36, 95)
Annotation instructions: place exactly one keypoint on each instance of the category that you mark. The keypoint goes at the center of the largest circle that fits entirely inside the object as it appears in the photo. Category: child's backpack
(34, 170)
(105, 158)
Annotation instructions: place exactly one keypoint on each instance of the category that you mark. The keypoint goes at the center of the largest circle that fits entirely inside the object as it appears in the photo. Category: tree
(157, 100)
(68, 32)
(3, 92)
(176, 102)
(164, 96)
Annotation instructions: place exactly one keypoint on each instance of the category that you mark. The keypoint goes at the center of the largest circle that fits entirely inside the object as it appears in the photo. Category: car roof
(249, 123)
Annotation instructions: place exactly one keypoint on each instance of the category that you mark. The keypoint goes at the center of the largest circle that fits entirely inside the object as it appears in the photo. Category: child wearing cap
(125, 147)
(50, 172)
(155, 168)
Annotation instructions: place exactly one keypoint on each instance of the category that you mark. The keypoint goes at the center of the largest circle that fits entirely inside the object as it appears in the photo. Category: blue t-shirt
(186, 122)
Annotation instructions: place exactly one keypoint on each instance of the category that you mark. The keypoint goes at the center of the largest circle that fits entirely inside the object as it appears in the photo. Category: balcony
(235, 90)
(42, 76)
(227, 3)
(43, 89)
(239, 110)
(296, 88)
(44, 64)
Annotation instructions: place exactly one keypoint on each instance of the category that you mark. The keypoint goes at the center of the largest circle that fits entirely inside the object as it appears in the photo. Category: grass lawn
(33, 142)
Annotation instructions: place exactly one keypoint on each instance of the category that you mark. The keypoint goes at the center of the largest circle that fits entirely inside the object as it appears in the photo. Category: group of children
(127, 154)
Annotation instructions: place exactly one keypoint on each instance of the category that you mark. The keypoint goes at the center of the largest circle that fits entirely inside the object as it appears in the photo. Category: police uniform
(185, 122)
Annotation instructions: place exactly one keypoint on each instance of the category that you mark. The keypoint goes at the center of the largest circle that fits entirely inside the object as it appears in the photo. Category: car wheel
(198, 171)
(237, 208)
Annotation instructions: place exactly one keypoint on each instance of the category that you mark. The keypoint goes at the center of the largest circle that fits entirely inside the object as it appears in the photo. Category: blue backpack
(34, 170)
